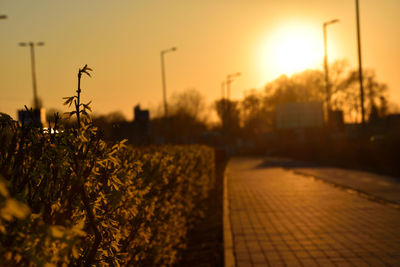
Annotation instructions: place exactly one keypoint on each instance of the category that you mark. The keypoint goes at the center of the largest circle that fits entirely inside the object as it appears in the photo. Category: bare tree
(256, 116)
(185, 122)
(346, 95)
(310, 86)
(190, 102)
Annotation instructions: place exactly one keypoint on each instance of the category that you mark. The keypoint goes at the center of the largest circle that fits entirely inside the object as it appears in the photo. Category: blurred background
(121, 40)
(315, 80)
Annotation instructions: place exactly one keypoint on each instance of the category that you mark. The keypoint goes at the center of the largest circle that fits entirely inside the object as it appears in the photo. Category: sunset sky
(121, 41)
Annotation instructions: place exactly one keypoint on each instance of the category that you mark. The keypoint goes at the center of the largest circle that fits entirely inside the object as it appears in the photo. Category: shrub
(69, 198)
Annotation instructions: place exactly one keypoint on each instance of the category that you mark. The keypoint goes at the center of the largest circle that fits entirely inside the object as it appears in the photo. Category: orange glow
(122, 43)
(291, 48)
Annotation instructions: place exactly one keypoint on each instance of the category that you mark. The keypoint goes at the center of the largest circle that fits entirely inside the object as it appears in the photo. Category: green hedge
(71, 199)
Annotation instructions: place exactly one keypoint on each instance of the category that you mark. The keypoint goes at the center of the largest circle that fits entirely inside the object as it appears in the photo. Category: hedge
(70, 199)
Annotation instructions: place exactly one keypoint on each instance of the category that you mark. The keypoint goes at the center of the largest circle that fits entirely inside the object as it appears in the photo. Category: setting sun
(291, 49)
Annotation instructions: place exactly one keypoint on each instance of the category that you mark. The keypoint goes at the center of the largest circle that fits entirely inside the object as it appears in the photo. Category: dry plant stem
(77, 101)
(92, 222)
(86, 202)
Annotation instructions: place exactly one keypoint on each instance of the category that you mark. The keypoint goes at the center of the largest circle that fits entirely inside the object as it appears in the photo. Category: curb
(229, 258)
(351, 190)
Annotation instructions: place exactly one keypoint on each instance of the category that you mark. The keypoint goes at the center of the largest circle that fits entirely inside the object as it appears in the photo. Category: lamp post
(229, 80)
(172, 49)
(32, 49)
(223, 90)
(360, 74)
(327, 84)
(227, 109)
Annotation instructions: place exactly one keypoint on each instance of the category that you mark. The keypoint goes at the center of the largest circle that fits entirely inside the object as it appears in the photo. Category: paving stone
(279, 217)
(242, 256)
(358, 262)
(309, 262)
(257, 257)
(325, 262)
(276, 263)
(244, 264)
(317, 254)
(272, 256)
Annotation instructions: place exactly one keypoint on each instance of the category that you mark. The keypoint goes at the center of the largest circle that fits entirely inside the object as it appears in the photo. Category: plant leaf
(68, 100)
(86, 70)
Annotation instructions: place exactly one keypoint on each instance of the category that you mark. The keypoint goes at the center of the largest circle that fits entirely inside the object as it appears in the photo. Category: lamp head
(172, 49)
(331, 22)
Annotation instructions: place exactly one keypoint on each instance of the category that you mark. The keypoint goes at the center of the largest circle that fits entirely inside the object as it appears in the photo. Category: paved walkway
(279, 218)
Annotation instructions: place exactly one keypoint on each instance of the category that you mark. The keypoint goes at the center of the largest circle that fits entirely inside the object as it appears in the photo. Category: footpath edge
(229, 258)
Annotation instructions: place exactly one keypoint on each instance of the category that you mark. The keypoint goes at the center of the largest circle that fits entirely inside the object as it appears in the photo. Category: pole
(223, 104)
(222, 90)
(228, 102)
(36, 104)
(228, 88)
(326, 71)
(227, 108)
(360, 74)
(164, 85)
(35, 97)
(223, 107)
(229, 80)
(326, 66)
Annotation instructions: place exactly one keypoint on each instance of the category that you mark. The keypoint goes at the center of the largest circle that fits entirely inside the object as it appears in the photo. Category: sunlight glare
(291, 49)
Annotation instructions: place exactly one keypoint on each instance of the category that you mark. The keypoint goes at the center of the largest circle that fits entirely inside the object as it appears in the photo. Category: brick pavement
(379, 186)
(279, 218)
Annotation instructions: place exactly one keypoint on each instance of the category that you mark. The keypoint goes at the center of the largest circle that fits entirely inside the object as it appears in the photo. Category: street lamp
(327, 85)
(172, 49)
(32, 49)
(360, 74)
(223, 90)
(227, 109)
(229, 80)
